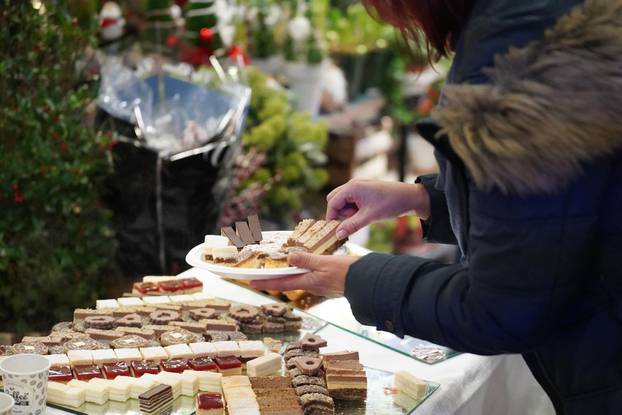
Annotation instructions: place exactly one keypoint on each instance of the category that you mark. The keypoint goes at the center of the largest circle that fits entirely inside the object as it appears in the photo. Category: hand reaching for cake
(326, 277)
(362, 202)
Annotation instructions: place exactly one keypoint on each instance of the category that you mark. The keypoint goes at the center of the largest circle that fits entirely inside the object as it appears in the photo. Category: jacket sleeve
(528, 258)
(437, 227)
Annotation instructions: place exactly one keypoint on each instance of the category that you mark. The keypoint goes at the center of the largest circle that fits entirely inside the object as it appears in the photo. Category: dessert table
(469, 384)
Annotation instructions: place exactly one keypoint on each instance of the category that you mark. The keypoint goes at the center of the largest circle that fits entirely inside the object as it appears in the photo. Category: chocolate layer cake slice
(275, 395)
(345, 376)
(156, 399)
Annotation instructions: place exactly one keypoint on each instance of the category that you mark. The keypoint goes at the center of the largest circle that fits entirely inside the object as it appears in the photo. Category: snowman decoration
(111, 21)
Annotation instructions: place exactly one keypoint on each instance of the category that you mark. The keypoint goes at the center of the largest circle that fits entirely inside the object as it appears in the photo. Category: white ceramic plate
(194, 258)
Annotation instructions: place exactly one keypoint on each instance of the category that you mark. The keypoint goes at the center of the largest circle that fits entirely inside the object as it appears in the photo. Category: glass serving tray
(379, 400)
(420, 350)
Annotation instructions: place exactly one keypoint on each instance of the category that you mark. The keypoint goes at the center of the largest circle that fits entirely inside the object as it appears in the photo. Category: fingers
(352, 224)
(345, 212)
(335, 191)
(294, 282)
(306, 261)
(344, 200)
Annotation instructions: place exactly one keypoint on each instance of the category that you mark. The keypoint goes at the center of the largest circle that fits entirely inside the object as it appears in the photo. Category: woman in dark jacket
(528, 138)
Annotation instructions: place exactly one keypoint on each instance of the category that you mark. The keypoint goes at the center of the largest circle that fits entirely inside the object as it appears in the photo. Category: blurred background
(131, 129)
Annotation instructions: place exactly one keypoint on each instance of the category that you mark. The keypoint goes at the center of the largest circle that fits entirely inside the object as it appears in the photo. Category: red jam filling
(175, 365)
(60, 374)
(86, 372)
(209, 400)
(145, 366)
(171, 286)
(191, 283)
(202, 363)
(112, 370)
(146, 287)
(228, 362)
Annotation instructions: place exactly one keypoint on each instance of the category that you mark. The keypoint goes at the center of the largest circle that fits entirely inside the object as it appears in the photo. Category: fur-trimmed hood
(551, 106)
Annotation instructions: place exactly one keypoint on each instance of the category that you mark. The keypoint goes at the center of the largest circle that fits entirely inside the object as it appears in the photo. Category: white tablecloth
(470, 384)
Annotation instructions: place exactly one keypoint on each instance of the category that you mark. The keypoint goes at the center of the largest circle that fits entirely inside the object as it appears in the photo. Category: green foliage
(353, 30)
(55, 244)
(293, 145)
(381, 236)
(262, 43)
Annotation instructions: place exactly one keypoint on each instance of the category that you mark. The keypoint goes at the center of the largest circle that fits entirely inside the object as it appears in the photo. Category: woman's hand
(362, 202)
(327, 275)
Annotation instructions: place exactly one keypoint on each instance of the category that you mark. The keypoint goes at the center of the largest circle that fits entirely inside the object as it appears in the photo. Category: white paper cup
(6, 404)
(25, 378)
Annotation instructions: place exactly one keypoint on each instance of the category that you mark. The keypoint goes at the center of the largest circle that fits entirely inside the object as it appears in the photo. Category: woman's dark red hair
(440, 21)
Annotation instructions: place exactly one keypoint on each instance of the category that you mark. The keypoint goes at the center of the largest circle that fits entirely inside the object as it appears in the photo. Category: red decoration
(107, 21)
(235, 52)
(195, 55)
(206, 34)
(171, 41)
(17, 195)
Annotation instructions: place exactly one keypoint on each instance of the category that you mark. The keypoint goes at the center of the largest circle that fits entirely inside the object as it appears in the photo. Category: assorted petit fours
(154, 353)
(103, 356)
(276, 395)
(239, 395)
(163, 286)
(62, 394)
(80, 357)
(60, 373)
(96, 393)
(128, 354)
(410, 389)
(268, 364)
(304, 364)
(139, 368)
(112, 370)
(209, 381)
(345, 376)
(210, 403)
(118, 391)
(145, 288)
(203, 364)
(175, 365)
(86, 372)
(203, 349)
(179, 351)
(189, 382)
(156, 400)
(228, 365)
(154, 350)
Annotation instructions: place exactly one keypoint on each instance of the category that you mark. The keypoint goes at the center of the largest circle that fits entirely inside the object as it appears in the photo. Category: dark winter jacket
(530, 152)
